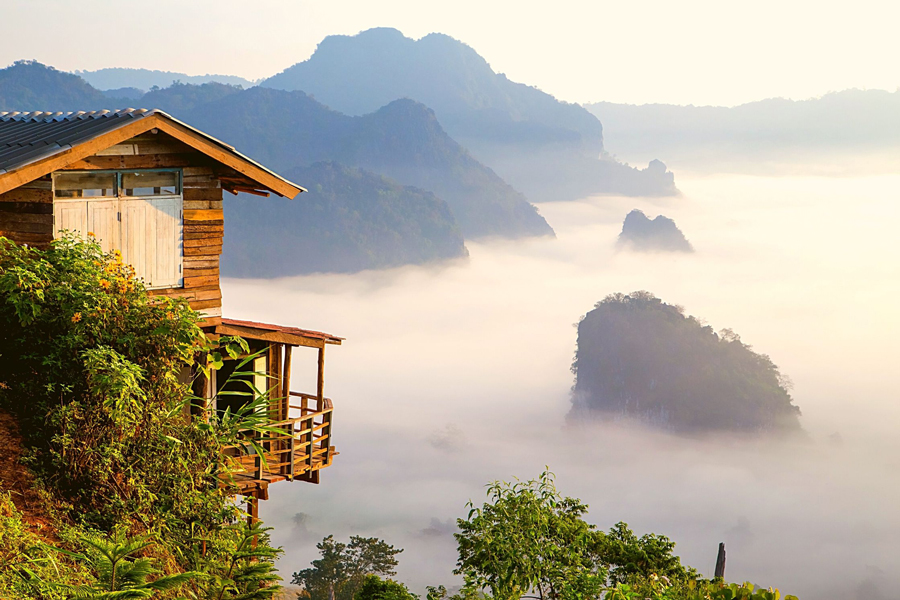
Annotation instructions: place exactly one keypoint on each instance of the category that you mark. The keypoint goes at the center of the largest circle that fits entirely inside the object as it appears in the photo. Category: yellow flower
(91, 234)
(76, 317)
(104, 284)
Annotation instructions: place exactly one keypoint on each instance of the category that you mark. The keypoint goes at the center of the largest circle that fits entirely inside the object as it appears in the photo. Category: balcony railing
(300, 449)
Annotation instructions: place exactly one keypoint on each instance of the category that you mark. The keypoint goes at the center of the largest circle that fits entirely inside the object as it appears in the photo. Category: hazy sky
(690, 51)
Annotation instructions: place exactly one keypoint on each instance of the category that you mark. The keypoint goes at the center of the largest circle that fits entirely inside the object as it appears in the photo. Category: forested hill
(549, 148)
(349, 220)
(641, 358)
(29, 86)
(402, 140)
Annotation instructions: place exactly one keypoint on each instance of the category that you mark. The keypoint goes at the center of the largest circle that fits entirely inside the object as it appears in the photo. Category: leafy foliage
(120, 573)
(241, 569)
(99, 364)
(631, 559)
(640, 357)
(343, 568)
(528, 538)
(659, 589)
(375, 588)
(27, 565)
(97, 373)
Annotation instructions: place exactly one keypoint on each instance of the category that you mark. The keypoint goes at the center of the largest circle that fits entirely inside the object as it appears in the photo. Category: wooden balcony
(299, 453)
(301, 446)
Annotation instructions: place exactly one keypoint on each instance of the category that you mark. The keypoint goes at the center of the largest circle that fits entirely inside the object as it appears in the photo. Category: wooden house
(151, 186)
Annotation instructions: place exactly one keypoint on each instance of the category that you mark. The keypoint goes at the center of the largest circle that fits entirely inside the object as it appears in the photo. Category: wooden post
(320, 382)
(252, 515)
(286, 385)
(252, 510)
(720, 562)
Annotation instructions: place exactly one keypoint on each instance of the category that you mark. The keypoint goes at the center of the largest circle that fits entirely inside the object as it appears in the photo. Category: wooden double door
(148, 232)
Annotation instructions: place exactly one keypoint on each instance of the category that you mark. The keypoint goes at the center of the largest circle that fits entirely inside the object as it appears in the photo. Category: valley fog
(455, 375)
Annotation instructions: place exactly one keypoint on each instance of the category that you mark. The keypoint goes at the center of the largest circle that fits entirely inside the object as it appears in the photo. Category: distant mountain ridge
(409, 220)
(349, 220)
(552, 150)
(402, 140)
(145, 79)
(381, 65)
(774, 130)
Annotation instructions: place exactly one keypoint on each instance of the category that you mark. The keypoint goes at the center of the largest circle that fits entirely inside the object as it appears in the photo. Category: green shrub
(94, 370)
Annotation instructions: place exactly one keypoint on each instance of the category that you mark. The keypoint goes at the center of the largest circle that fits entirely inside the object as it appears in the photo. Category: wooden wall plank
(8, 220)
(203, 251)
(34, 208)
(28, 195)
(200, 272)
(152, 161)
(204, 215)
(32, 239)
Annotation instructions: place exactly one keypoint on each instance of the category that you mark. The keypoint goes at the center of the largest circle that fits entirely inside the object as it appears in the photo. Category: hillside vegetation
(641, 358)
(127, 494)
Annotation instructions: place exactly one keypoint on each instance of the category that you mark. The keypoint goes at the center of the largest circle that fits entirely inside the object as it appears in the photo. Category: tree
(529, 539)
(341, 571)
(376, 588)
(631, 559)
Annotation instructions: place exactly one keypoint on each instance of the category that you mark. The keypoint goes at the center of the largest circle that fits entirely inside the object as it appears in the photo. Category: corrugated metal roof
(27, 137)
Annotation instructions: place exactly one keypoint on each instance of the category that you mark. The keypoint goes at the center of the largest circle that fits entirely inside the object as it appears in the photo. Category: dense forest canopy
(639, 357)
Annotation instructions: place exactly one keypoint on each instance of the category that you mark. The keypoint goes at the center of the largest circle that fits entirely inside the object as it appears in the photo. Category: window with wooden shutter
(142, 219)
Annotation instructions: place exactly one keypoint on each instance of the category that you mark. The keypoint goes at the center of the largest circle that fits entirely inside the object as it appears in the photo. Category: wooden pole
(287, 470)
(286, 384)
(252, 515)
(720, 562)
(320, 382)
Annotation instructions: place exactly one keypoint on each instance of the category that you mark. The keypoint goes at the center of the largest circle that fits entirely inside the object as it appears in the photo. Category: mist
(458, 374)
